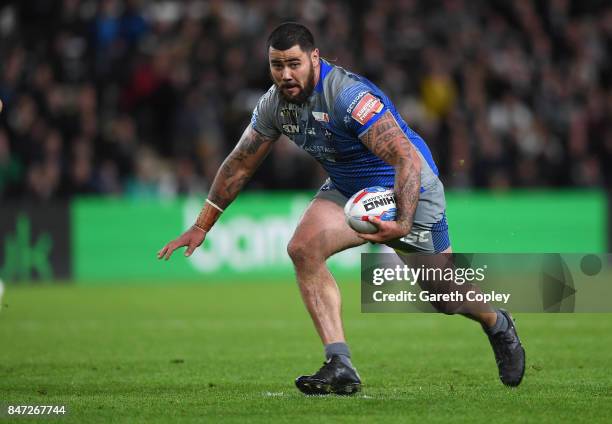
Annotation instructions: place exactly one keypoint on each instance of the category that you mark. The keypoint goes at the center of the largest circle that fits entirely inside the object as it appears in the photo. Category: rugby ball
(370, 202)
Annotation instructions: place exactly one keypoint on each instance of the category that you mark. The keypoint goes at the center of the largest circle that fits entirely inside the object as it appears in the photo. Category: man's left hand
(387, 231)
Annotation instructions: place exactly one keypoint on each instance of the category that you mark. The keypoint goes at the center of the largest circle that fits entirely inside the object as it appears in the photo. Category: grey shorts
(429, 233)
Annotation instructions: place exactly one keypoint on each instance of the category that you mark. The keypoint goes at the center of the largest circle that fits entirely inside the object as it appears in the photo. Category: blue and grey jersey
(341, 109)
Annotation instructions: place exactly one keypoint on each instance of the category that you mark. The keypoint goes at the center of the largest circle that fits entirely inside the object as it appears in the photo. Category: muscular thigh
(323, 230)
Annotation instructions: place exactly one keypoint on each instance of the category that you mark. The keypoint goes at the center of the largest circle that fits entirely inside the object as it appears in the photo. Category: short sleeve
(357, 108)
(263, 118)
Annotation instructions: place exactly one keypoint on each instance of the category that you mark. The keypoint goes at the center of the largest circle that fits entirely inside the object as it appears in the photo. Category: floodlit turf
(230, 353)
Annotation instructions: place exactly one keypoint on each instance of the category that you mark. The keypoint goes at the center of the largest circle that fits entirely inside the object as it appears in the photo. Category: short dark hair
(288, 34)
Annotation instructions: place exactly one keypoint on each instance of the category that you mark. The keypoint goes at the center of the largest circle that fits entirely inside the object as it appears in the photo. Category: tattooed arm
(231, 177)
(239, 166)
(387, 141)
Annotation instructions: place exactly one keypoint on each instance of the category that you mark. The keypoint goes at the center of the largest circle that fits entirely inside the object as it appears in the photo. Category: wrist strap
(208, 216)
(199, 228)
(214, 205)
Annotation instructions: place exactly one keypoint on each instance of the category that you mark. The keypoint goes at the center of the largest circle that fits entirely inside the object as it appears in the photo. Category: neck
(317, 73)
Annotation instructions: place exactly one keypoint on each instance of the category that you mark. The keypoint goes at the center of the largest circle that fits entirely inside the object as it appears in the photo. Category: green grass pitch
(230, 352)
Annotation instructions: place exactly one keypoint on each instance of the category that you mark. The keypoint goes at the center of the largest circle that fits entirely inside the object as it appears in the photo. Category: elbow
(408, 160)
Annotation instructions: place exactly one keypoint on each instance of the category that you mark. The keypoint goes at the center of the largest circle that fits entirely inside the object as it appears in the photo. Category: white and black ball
(370, 202)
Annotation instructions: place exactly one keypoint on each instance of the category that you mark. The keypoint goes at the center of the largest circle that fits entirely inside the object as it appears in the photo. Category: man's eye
(294, 65)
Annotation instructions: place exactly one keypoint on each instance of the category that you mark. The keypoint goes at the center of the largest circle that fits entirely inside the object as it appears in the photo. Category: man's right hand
(192, 238)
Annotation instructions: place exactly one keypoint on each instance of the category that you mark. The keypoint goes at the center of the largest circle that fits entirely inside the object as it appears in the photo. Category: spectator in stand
(109, 97)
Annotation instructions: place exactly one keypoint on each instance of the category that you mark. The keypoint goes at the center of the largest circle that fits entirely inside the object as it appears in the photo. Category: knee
(302, 252)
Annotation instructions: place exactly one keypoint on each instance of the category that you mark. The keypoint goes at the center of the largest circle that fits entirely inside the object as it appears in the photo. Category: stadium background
(117, 115)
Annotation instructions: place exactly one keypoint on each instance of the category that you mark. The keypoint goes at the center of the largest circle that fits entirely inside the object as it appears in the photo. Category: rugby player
(353, 129)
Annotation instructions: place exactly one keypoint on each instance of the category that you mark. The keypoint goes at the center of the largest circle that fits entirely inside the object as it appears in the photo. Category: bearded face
(293, 72)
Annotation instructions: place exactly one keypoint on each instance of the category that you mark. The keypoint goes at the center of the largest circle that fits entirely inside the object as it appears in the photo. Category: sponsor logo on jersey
(291, 113)
(321, 152)
(321, 116)
(350, 107)
(366, 108)
(291, 128)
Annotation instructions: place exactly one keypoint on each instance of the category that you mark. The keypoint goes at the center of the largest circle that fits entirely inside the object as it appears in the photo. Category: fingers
(191, 238)
(170, 251)
(161, 253)
(385, 231)
(369, 237)
(375, 220)
(192, 246)
(374, 237)
(170, 248)
(167, 250)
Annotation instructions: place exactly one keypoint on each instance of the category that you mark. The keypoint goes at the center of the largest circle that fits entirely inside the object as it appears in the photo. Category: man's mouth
(292, 89)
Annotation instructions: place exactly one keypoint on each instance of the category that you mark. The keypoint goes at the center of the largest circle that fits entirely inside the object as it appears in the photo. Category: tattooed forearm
(407, 188)
(387, 140)
(239, 166)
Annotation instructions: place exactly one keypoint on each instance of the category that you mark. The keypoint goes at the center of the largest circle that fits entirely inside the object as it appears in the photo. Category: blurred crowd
(145, 98)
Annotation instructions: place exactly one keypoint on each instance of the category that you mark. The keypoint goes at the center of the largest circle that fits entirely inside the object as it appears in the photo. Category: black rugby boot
(509, 353)
(333, 377)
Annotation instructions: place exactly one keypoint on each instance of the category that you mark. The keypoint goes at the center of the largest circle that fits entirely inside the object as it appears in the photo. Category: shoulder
(267, 105)
(337, 81)
(264, 118)
(353, 100)
(343, 88)
(270, 97)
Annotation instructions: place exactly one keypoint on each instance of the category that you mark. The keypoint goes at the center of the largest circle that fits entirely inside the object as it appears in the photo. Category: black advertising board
(35, 241)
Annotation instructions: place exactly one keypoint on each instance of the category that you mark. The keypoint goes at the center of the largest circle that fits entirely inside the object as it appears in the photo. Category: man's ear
(314, 57)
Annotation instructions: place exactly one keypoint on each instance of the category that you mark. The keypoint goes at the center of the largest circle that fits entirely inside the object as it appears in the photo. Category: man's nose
(286, 75)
